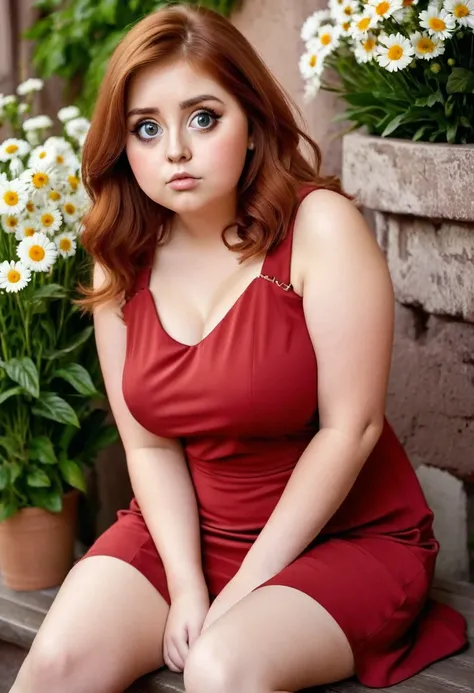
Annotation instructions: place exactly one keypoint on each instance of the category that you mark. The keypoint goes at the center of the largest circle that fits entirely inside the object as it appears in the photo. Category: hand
(185, 619)
(239, 587)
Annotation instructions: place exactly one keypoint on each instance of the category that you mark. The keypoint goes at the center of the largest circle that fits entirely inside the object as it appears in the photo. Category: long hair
(123, 225)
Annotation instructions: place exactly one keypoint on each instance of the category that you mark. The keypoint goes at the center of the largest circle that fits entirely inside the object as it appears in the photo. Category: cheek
(225, 159)
(141, 163)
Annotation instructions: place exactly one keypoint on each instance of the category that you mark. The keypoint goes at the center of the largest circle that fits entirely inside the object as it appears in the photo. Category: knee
(211, 668)
(48, 667)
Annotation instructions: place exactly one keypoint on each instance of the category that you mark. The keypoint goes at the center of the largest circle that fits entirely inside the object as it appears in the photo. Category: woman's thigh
(276, 639)
(104, 630)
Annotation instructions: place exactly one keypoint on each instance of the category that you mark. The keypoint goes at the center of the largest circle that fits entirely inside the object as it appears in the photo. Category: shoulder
(330, 231)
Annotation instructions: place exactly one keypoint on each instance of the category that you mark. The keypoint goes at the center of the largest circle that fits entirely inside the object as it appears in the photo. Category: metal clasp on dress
(274, 280)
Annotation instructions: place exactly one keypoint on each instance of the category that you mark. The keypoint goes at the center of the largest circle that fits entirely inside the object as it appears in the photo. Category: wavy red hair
(123, 225)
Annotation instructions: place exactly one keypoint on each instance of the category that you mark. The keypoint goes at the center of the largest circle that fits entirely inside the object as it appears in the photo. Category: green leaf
(11, 393)
(23, 371)
(80, 339)
(436, 97)
(49, 291)
(393, 125)
(37, 478)
(42, 450)
(15, 471)
(4, 477)
(50, 499)
(419, 133)
(9, 447)
(451, 132)
(7, 509)
(77, 376)
(73, 474)
(460, 81)
(449, 106)
(52, 406)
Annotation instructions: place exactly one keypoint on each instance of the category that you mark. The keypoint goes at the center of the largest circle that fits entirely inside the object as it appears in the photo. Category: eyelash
(207, 111)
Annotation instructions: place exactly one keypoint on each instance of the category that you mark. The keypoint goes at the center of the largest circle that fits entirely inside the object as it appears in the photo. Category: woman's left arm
(348, 307)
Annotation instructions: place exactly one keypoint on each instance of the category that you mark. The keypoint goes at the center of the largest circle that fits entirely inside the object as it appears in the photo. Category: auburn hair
(123, 225)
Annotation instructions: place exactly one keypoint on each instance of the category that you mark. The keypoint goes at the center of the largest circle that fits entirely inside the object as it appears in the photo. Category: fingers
(175, 653)
(193, 634)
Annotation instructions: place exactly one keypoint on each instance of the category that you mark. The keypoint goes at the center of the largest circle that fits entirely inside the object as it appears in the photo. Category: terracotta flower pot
(37, 546)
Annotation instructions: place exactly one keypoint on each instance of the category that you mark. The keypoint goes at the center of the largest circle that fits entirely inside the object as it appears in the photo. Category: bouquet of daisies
(51, 419)
(404, 67)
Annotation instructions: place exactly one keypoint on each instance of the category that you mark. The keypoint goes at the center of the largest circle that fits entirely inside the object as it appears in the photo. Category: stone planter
(422, 199)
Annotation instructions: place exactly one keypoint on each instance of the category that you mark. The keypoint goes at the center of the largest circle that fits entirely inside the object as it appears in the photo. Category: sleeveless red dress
(244, 403)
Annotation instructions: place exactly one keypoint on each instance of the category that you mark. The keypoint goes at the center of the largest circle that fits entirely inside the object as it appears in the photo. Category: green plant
(52, 414)
(75, 38)
(405, 68)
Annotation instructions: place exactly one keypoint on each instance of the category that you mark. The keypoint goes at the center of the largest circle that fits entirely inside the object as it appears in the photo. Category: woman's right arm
(158, 471)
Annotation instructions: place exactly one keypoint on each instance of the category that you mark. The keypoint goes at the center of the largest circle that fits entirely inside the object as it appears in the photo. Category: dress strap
(143, 279)
(277, 265)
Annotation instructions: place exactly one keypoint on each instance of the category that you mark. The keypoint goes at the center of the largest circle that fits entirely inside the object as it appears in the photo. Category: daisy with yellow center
(437, 22)
(346, 10)
(73, 183)
(10, 222)
(311, 62)
(37, 252)
(363, 23)
(66, 244)
(40, 178)
(26, 229)
(70, 210)
(41, 157)
(49, 220)
(54, 196)
(385, 8)
(366, 49)
(13, 196)
(425, 46)
(326, 40)
(462, 11)
(394, 52)
(14, 276)
(13, 148)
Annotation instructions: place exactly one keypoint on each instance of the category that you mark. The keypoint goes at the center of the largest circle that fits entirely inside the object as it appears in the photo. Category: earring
(251, 145)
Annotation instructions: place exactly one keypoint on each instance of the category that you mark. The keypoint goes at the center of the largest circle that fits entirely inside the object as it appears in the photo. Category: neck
(207, 224)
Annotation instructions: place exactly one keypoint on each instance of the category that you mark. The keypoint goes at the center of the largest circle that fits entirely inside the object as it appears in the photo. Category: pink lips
(183, 182)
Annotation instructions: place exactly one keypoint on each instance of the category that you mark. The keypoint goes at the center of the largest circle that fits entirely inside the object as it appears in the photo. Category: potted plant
(52, 414)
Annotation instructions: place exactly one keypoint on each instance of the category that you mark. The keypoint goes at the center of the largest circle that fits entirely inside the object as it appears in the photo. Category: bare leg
(103, 631)
(276, 640)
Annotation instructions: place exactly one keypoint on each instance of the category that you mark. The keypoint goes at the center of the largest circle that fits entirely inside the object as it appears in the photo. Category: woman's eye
(147, 130)
(204, 120)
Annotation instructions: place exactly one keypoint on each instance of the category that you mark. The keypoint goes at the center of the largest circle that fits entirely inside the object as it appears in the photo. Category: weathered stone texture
(431, 390)
(404, 177)
(431, 263)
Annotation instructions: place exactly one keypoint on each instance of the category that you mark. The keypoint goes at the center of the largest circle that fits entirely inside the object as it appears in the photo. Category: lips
(180, 176)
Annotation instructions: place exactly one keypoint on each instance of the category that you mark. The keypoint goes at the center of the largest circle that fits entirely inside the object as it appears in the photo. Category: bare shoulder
(330, 231)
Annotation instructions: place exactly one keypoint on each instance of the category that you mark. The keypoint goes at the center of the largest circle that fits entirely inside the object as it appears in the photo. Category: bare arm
(348, 306)
(157, 466)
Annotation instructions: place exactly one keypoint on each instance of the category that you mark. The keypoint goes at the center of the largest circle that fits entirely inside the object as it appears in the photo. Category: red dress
(244, 403)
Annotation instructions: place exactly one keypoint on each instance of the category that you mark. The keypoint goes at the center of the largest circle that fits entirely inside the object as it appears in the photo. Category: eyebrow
(183, 105)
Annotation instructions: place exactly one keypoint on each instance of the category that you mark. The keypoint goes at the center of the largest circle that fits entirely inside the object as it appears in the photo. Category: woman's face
(187, 124)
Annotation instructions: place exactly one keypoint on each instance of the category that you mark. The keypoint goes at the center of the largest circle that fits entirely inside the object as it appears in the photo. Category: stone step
(21, 614)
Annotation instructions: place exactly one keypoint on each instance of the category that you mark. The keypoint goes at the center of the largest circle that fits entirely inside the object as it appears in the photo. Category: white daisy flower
(29, 86)
(68, 113)
(41, 156)
(14, 276)
(66, 244)
(77, 127)
(26, 229)
(385, 8)
(31, 206)
(3, 178)
(16, 167)
(345, 27)
(74, 183)
(462, 11)
(55, 196)
(363, 23)
(70, 210)
(394, 52)
(49, 219)
(311, 89)
(335, 7)
(347, 9)
(312, 24)
(438, 22)
(40, 178)
(13, 196)
(10, 222)
(426, 46)
(365, 49)
(37, 123)
(326, 40)
(23, 108)
(38, 252)
(311, 64)
(12, 148)
(8, 100)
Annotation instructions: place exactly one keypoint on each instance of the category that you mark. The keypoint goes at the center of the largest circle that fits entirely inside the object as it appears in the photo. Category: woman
(279, 538)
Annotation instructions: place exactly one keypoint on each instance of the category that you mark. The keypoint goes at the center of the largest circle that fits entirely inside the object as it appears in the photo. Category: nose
(178, 148)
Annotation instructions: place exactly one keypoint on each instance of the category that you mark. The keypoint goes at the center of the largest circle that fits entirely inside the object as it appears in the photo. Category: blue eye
(147, 130)
(205, 120)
